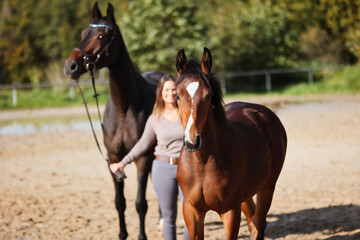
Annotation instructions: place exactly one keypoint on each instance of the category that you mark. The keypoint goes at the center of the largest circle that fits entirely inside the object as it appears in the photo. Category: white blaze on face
(191, 89)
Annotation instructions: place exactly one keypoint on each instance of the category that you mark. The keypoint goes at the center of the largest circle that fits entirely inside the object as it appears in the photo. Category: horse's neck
(124, 80)
(212, 134)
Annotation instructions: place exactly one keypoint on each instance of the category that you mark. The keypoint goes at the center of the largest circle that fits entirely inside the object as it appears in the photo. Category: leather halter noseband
(91, 65)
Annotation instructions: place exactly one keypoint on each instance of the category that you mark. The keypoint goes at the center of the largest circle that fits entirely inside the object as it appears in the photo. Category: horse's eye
(100, 36)
(177, 96)
(208, 97)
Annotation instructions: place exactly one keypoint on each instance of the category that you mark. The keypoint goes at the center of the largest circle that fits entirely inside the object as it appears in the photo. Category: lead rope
(96, 98)
(91, 124)
(119, 175)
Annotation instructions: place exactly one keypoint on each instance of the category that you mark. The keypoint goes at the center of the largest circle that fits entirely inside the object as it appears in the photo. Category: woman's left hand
(116, 166)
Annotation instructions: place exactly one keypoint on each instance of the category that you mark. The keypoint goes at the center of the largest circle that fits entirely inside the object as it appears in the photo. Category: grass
(51, 97)
(345, 81)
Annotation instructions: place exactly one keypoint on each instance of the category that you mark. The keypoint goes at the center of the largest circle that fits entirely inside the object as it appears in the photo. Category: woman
(163, 126)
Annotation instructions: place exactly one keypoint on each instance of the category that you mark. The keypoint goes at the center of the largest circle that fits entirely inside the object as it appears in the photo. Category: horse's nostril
(73, 67)
(197, 140)
(192, 147)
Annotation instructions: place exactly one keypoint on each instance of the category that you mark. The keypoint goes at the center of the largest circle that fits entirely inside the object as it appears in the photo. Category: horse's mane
(193, 69)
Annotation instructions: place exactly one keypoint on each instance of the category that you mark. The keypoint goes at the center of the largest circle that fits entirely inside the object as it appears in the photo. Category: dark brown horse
(230, 153)
(130, 102)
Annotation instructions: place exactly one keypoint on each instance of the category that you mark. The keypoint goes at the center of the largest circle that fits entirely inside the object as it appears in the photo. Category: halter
(91, 65)
(100, 25)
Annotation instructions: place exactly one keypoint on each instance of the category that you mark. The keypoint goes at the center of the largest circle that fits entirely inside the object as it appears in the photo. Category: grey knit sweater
(168, 135)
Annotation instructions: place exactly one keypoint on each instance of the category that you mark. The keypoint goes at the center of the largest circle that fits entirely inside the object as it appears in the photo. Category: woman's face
(168, 92)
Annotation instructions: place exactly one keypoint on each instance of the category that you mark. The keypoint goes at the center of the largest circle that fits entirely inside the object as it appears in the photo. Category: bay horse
(130, 102)
(230, 153)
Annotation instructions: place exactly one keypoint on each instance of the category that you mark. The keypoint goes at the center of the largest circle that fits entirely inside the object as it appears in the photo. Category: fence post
(14, 95)
(310, 78)
(71, 91)
(268, 81)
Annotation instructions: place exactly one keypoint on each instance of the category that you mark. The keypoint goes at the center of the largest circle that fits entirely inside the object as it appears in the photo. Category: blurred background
(258, 46)
(299, 58)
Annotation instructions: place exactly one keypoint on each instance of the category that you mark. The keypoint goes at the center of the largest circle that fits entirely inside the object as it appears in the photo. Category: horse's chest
(216, 190)
(122, 133)
(125, 136)
(211, 192)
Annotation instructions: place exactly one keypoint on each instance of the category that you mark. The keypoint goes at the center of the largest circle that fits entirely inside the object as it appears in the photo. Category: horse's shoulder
(124, 126)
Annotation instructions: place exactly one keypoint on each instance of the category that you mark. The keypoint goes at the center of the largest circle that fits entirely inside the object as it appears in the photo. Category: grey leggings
(164, 181)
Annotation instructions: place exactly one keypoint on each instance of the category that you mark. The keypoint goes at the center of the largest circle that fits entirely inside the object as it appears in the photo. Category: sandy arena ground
(55, 185)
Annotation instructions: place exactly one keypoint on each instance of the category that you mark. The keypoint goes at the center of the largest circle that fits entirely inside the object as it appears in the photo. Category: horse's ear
(206, 62)
(181, 61)
(96, 14)
(110, 14)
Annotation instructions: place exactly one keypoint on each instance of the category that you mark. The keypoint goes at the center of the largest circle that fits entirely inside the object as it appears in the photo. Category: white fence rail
(268, 72)
(70, 84)
(222, 76)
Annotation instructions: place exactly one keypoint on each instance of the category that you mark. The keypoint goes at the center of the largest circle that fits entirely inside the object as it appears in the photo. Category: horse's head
(194, 93)
(97, 48)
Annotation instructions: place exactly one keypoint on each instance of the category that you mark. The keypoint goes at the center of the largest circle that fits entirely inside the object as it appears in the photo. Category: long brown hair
(159, 102)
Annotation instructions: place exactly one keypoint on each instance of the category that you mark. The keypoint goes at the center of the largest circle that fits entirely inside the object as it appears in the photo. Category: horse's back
(152, 78)
(247, 113)
(257, 121)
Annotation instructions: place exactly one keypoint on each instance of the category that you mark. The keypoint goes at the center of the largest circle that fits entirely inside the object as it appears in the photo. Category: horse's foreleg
(194, 221)
(248, 208)
(231, 220)
(263, 202)
(141, 203)
(120, 206)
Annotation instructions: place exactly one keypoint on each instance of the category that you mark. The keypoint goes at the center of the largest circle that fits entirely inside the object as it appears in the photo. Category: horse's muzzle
(74, 67)
(192, 147)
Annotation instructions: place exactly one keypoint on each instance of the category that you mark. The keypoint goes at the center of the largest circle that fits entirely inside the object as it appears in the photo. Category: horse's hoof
(142, 237)
(123, 236)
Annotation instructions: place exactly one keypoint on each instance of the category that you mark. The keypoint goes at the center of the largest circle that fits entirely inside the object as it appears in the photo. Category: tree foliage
(155, 30)
(36, 34)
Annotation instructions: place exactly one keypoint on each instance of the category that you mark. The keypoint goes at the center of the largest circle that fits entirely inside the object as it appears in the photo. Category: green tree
(251, 34)
(17, 53)
(342, 20)
(155, 30)
(36, 33)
